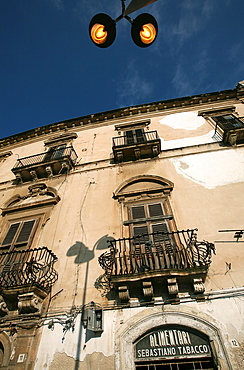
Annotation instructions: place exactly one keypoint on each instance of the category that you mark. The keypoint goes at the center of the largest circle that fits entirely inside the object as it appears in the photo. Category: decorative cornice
(60, 139)
(121, 113)
(39, 195)
(217, 112)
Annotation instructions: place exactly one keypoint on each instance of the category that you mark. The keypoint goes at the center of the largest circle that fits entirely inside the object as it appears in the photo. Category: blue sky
(50, 70)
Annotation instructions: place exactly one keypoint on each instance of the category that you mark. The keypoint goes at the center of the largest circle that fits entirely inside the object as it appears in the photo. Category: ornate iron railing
(146, 137)
(28, 267)
(229, 124)
(155, 252)
(47, 157)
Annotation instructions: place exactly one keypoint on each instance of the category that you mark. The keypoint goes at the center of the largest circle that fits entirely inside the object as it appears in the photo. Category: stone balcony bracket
(198, 286)
(124, 295)
(29, 303)
(173, 287)
(147, 290)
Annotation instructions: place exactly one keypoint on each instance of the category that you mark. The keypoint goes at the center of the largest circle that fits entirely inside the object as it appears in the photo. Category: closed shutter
(148, 219)
(138, 212)
(140, 230)
(10, 235)
(19, 234)
(162, 237)
(25, 232)
(155, 209)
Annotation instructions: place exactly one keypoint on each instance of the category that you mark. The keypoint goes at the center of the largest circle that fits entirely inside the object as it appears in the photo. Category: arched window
(146, 208)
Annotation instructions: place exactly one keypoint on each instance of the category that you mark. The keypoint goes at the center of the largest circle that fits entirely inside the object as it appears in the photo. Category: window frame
(134, 136)
(148, 221)
(14, 243)
(228, 123)
(166, 218)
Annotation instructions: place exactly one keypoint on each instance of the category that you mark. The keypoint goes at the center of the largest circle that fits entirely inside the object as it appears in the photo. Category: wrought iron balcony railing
(229, 124)
(28, 267)
(145, 137)
(178, 250)
(145, 145)
(46, 164)
(231, 129)
(46, 157)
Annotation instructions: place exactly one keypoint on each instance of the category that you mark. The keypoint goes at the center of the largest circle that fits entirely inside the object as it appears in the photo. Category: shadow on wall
(83, 254)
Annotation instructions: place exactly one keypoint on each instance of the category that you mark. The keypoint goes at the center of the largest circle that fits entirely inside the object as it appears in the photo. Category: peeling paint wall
(212, 169)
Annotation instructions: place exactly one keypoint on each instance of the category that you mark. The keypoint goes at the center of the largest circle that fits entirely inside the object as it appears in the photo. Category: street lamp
(102, 30)
(144, 29)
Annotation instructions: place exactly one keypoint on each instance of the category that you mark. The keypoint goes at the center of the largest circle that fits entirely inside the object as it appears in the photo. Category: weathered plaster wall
(208, 195)
(221, 319)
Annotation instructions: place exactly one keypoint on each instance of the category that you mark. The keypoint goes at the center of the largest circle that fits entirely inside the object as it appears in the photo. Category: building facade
(121, 239)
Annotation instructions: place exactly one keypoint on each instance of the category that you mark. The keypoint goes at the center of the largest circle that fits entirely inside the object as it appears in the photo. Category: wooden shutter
(10, 235)
(141, 234)
(19, 234)
(155, 209)
(140, 230)
(161, 237)
(25, 232)
(138, 212)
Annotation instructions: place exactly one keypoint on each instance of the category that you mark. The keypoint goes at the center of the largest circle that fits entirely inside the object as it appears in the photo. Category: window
(232, 128)
(55, 152)
(150, 227)
(148, 218)
(229, 121)
(19, 234)
(134, 136)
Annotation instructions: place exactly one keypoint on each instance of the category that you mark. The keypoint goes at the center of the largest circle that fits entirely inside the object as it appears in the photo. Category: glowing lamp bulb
(148, 33)
(102, 30)
(144, 30)
(98, 35)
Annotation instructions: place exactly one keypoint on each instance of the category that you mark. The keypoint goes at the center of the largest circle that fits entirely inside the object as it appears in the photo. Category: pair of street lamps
(144, 28)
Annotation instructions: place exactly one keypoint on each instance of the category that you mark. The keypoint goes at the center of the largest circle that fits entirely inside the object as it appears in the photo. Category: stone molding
(38, 194)
(142, 322)
(119, 114)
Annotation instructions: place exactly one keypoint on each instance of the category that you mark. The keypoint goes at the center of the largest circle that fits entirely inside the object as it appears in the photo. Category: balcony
(28, 267)
(147, 145)
(231, 129)
(159, 257)
(26, 277)
(48, 164)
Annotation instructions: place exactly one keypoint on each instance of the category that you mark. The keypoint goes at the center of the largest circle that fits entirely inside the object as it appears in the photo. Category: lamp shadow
(81, 251)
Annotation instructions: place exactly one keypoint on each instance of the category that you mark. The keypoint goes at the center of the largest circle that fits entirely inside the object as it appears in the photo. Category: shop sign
(170, 342)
